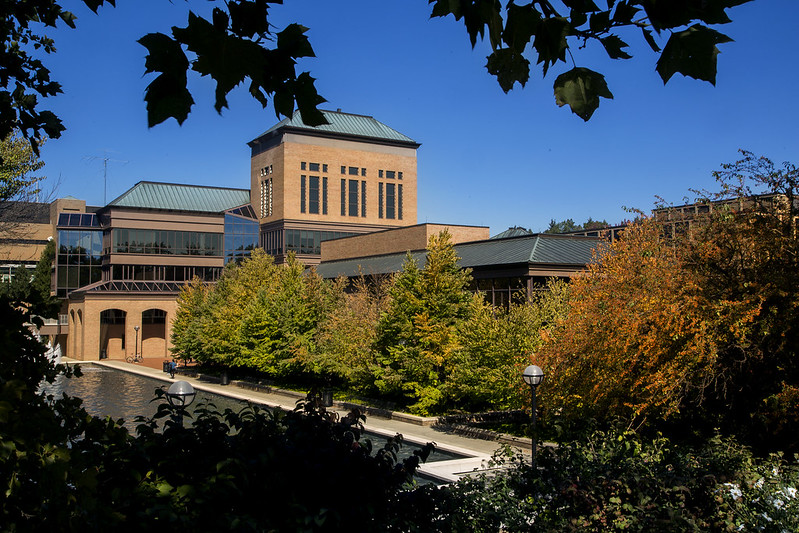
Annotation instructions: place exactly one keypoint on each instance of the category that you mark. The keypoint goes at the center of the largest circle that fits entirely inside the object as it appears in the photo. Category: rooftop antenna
(105, 159)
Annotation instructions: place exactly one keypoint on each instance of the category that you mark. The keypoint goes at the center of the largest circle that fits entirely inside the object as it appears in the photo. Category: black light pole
(136, 344)
(180, 395)
(533, 375)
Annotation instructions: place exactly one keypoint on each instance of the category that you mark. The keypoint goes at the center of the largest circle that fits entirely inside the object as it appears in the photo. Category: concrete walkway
(476, 450)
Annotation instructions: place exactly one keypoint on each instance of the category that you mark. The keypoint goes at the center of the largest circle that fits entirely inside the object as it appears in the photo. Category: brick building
(340, 196)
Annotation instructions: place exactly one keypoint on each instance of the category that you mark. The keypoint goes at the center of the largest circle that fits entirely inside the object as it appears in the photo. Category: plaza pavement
(413, 429)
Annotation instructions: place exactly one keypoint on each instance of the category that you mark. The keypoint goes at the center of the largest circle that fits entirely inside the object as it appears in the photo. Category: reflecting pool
(118, 394)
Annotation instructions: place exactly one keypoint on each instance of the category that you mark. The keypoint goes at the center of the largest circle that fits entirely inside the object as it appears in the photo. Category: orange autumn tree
(640, 339)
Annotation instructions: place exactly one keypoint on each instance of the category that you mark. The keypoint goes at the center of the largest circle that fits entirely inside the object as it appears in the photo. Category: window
(390, 174)
(266, 198)
(265, 171)
(309, 241)
(363, 199)
(399, 201)
(79, 258)
(153, 316)
(313, 194)
(302, 194)
(379, 173)
(363, 172)
(343, 197)
(324, 195)
(164, 242)
(343, 169)
(353, 198)
(324, 168)
(302, 166)
(313, 167)
(380, 200)
(390, 200)
(353, 171)
(399, 175)
(112, 317)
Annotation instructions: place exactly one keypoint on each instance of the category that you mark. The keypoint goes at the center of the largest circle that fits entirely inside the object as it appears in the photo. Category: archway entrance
(112, 334)
(153, 333)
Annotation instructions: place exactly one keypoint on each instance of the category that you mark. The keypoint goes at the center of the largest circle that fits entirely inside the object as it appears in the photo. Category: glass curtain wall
(241, 237)
(79, 259)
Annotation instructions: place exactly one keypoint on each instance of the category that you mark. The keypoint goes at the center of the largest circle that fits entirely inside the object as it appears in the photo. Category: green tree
(228, 303)
(188, 335)
(569, 225)
(563, 226)
(31, 289)
(418, 335)
(42, 303)
(18, 162)
(231, 48)
(278, 330)
(345, 341)
(497, 345)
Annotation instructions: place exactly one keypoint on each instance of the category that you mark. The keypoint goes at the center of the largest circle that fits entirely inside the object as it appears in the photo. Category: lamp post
(136, 344)
(533, 375)
(180, 395)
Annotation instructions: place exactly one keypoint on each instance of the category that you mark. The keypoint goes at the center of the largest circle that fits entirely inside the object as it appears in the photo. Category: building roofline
(285, 126)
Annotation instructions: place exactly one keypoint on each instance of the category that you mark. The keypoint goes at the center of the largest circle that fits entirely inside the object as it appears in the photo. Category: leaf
(167, 95)
(581, 89)
(550, 41)
(248, 19)
(667, 14)
(477, 15)
(308, 100)
(650, 40)
(624, 13)
(613, 46)
(521, 24)
(294, 42)
(691, 53)
(600, 22)
(583, 6)
(509, 67)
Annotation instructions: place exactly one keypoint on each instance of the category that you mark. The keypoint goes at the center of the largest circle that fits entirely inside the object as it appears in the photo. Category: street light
(533, 376)
(180, 395)
(136, 344)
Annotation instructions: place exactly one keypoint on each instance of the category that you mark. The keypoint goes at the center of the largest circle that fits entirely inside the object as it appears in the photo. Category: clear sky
(487, 158)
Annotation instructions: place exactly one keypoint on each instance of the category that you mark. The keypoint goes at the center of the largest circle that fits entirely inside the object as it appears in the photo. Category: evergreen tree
(187, 327)
(417, 336)
(280, 324)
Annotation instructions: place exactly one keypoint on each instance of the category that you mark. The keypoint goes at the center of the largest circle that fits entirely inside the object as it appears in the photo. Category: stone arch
(153, 332)
(72, 344)
(112, 333)
(79, 336)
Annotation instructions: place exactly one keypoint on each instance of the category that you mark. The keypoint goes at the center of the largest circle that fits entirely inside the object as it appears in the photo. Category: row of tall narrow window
(266, 198)
(314, 198)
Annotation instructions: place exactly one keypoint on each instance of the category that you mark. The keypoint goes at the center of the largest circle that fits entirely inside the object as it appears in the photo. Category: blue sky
(487, 158)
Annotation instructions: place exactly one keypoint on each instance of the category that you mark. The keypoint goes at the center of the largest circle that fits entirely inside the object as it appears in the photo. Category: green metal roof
(177, 197)
(344, 124)
(515, 231)
(539, 249)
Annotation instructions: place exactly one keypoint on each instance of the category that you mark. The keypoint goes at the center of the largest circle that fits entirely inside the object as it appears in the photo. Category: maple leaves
(546, 31)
